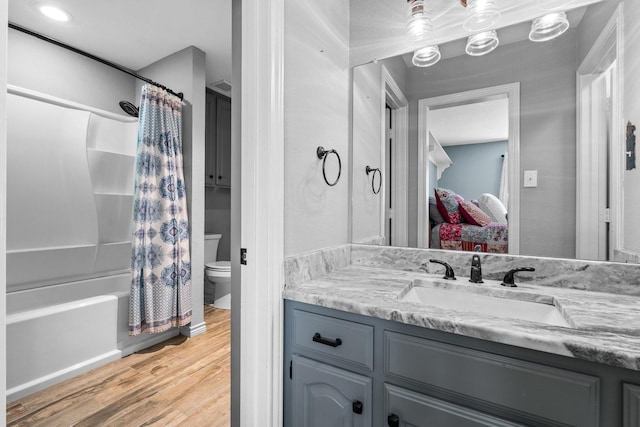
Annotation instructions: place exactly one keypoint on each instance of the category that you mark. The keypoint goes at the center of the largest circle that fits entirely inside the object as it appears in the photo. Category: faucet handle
(449, 273)
(508, 278)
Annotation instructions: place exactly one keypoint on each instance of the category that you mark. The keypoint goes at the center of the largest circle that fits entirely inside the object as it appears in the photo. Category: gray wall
(316, 110)
(546, 72)
(476, 169)
(217, 218)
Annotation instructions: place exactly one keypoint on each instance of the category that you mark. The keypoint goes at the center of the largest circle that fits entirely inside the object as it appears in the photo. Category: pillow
(448, 202)
(434, 214)
(474, 214)
(493, 207)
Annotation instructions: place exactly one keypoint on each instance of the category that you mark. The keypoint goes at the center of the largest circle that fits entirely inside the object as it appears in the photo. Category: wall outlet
(530, 178)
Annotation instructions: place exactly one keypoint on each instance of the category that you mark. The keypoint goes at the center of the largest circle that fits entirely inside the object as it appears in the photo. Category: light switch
(530, 178)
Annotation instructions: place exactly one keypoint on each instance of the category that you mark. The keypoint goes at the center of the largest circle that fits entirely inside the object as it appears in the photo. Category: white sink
(484, 299)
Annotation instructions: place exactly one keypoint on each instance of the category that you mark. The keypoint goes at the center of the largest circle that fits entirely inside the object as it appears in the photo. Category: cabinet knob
(393, 420)
(219, 177)
(210, 176)
(357, 407)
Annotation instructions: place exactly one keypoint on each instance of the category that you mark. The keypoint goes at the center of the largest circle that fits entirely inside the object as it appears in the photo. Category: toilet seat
(222, 266)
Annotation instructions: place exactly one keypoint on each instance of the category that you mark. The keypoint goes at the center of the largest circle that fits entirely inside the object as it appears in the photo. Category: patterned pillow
(448, 203)
(474, 214)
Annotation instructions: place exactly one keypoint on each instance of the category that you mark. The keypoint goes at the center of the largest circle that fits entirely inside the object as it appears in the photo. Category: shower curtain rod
(95, 58)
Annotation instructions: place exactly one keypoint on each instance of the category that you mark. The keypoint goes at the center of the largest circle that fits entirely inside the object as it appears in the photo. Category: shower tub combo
(69, 205)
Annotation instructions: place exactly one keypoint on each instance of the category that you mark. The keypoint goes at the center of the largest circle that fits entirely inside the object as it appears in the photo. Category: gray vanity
(370, 342)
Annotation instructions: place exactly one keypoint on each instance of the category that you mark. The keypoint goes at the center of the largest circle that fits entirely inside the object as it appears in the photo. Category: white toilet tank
(211, 247)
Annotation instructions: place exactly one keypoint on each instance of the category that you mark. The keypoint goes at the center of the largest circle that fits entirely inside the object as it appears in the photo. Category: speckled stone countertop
(603, 326)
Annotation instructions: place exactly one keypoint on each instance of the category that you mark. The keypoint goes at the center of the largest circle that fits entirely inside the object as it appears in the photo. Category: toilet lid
(219, 266)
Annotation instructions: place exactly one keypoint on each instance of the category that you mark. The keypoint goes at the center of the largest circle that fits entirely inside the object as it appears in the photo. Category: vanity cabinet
(406, 375)
(218, 140)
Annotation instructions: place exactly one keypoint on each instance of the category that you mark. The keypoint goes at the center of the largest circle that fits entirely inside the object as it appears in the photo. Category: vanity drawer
(528, 390)
(341, 339)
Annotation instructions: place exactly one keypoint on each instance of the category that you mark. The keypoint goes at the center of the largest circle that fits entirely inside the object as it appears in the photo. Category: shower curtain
(504, 181)
(160, 263)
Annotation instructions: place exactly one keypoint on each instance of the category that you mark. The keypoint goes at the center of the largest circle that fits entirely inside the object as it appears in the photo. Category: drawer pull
(326, 341)
(393, 420)
(357, 407)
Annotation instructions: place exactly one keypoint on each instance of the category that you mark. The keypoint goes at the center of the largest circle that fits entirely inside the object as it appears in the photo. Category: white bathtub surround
(60, 331)
(605, 317)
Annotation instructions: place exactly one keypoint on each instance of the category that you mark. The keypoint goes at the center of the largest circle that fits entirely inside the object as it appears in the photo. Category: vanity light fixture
(426, 56)
(481, 15)
(55, 13)
(419, 24)
(482, 43)
(548, 27)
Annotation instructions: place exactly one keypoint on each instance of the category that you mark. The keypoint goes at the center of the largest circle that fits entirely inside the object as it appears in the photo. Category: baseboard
(192, 330)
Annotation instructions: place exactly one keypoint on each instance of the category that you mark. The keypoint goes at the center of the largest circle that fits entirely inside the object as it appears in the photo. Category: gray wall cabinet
(402, 375)
(218, 140)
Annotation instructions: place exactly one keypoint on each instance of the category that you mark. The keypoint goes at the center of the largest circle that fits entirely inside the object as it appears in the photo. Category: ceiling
(137, 33)
(486, 121)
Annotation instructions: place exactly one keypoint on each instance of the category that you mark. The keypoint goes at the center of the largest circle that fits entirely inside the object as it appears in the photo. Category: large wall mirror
(541, 126)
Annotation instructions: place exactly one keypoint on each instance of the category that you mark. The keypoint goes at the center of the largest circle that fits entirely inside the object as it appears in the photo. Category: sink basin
(485, 299)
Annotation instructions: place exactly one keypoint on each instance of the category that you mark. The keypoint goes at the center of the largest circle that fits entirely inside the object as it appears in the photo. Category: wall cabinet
(404, 375)
(218, 140)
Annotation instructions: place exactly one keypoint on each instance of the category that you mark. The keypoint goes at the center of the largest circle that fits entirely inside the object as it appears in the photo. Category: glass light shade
(482, 43)
(426, 57)
(419, 24)
(481, 15)
(548, 27)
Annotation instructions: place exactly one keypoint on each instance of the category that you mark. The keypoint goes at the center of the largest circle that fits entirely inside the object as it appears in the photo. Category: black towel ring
(373, 179)
(323, 154)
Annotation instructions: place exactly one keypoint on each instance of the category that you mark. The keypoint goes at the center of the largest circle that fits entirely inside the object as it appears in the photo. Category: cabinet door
(326, 396)
(223, 142)
(405, 408)
(210, 140)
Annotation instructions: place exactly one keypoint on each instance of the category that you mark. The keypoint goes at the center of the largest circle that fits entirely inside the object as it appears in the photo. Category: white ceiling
(486, 121)
(136, 33)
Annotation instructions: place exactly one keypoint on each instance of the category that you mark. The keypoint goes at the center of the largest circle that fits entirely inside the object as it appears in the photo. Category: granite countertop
(602, 327)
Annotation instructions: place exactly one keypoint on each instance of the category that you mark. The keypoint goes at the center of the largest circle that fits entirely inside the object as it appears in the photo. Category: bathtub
(60, 331)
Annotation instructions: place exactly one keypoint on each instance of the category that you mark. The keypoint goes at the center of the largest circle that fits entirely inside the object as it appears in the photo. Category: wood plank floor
(178, 382)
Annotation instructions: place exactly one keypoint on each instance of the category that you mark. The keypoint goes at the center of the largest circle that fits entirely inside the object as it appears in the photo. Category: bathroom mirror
(552, 133)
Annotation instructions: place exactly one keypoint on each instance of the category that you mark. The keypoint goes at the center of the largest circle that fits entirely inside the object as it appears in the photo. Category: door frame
(257, 194)
(399, 104)
(512, 92)
(608, 48)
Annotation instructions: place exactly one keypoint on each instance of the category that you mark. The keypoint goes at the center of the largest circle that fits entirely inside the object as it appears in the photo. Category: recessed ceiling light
(55, 13)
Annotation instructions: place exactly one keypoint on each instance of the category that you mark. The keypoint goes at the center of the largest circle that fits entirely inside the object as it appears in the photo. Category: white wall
(184, 72)
(547, 139)
(632, 114)
(368, 131)
(316, 99)
(3, 216)
(41, 66)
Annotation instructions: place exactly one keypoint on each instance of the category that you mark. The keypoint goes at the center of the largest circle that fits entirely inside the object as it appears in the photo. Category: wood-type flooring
(182, 381)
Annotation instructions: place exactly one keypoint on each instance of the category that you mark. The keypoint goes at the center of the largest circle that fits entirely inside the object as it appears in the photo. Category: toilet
(217, 282)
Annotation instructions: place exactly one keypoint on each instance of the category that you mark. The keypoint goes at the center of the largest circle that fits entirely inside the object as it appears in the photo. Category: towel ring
(373, 179)
(323, 154)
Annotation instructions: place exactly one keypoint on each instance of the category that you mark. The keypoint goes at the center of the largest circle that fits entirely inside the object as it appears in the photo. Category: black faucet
(508, 278)
(449, 274)
(476, 270)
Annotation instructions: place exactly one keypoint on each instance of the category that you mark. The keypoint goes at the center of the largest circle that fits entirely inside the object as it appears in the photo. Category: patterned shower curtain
(160, 263)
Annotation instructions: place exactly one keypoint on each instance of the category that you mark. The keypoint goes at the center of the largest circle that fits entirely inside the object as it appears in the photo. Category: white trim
(262, 214)
(606, 49)
(193, 330)
(400, 157)
(512, 91)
